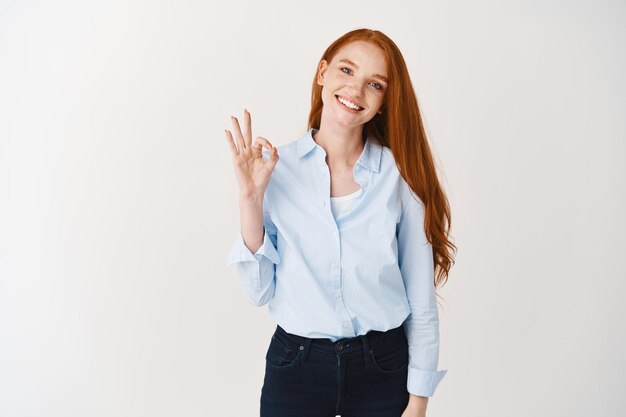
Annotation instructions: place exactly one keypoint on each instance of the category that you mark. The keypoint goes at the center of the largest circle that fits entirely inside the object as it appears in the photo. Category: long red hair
(400, 128)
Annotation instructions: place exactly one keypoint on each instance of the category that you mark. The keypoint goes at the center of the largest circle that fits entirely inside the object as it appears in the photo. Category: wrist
(250, 199)
(418, 402)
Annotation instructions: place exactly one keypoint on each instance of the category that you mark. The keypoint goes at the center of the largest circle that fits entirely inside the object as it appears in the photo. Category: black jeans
(362, 376)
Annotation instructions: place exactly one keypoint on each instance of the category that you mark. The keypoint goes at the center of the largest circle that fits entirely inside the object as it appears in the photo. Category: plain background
(119, 204)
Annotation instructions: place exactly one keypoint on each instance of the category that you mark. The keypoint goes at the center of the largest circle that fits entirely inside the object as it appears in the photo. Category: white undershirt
(343, 204)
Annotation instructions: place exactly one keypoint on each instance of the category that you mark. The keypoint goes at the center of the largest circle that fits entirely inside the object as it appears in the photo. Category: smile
(348, 104)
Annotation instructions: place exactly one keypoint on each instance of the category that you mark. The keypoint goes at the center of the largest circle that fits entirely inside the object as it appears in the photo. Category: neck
(343, 144)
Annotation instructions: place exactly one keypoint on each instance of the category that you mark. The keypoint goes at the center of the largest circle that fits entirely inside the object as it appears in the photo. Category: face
(354, 83)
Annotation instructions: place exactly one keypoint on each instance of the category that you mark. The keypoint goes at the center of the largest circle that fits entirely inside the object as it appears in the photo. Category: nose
(356, 88)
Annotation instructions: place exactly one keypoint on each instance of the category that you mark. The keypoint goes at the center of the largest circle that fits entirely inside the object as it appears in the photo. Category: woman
(346, 238)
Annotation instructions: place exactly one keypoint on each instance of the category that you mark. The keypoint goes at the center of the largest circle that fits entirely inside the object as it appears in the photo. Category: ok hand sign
(252, 171)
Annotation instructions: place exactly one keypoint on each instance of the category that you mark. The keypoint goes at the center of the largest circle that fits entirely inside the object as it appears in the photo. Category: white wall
(118, 202)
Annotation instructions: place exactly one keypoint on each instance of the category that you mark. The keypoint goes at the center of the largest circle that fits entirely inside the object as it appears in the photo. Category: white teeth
(349, 104)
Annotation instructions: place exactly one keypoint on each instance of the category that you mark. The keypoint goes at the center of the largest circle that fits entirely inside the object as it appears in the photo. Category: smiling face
(354, 83)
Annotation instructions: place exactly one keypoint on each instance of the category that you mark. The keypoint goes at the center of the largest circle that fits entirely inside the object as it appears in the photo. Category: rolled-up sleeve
(415, 258)
(256, 271)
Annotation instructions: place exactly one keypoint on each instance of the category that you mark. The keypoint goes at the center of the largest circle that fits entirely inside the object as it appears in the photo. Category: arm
(253, 173)
(258, 233)
(415, 258)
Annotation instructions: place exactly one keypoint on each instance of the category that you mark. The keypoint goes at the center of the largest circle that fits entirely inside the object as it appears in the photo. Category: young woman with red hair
(345, 235)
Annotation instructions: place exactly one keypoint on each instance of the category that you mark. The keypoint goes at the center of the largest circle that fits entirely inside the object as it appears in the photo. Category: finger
(231, 143)
(238, 136)
(272, 149)
(264, 143)
(248, 120)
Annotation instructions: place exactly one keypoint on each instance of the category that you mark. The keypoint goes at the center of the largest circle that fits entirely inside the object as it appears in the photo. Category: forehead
(365, 55)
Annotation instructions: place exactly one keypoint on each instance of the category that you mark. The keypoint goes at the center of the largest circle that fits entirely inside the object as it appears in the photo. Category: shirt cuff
(423, 382)
(241, 253)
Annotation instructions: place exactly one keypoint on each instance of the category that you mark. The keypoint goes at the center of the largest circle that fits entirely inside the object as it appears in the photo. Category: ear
(321, 70)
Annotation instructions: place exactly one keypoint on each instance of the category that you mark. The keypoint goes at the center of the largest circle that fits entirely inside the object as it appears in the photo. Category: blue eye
(348, 71)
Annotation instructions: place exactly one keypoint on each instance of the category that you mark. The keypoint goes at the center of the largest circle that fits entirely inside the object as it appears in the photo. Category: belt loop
(366, 350)
(305, 347)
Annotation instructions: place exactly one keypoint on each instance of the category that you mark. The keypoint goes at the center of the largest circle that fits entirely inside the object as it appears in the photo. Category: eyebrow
(347, 61)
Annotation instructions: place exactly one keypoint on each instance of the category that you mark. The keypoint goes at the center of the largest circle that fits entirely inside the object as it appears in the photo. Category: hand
(252, 171)
(412, 411)
(416, 407)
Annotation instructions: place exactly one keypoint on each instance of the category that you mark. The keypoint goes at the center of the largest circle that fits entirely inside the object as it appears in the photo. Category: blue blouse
(371, 268)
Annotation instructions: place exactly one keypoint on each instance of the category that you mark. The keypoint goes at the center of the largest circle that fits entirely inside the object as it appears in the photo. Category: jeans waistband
(371, 338)
(368, 340)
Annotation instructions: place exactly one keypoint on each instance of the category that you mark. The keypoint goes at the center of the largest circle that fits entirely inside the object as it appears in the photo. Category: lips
(346, 107)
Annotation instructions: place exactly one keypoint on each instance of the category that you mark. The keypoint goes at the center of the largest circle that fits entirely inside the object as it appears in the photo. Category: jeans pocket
(282, 353)
(390, 358)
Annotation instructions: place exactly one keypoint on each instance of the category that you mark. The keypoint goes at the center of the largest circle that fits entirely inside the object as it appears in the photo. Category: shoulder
(389, 169)
(388, 166)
